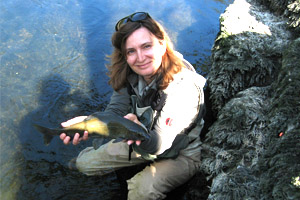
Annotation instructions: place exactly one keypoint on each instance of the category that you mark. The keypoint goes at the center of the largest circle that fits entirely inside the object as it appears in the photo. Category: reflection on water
(52, 56)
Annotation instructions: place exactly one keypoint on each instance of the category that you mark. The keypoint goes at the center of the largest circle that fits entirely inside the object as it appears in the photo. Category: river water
(52, 56)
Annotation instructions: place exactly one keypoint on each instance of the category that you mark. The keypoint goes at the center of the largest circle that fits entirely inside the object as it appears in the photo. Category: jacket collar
(140, 86)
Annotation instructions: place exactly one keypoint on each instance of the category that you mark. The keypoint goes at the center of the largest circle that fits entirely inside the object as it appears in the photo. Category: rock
(246, 52)
(288, 8)
(252, 150)
(279, 164)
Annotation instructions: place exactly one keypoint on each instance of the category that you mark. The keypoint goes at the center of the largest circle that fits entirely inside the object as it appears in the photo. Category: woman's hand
(76, 139)
(133, 118)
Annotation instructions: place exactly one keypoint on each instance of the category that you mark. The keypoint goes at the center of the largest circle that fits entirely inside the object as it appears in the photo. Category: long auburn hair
(118, 70)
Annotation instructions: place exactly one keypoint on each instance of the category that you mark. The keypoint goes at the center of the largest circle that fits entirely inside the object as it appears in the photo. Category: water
(52, 56)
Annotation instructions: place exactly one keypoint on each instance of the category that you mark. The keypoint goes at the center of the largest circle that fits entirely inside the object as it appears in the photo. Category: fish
(99, 124)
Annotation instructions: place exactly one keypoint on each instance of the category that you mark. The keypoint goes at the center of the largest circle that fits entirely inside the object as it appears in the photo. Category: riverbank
(251, 149)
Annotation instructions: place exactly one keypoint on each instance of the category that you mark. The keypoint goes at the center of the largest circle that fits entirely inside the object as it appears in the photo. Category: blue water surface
(53, 56)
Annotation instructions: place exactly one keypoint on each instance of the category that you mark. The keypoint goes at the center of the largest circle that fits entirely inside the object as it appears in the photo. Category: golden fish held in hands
(99, 124)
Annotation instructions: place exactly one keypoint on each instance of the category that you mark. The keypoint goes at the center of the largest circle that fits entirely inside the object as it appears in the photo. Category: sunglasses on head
(135, 17)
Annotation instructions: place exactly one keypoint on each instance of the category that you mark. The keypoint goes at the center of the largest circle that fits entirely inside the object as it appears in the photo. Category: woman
(152, 87)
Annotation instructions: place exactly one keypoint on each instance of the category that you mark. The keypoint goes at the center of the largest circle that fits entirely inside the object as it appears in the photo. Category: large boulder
(252, 150)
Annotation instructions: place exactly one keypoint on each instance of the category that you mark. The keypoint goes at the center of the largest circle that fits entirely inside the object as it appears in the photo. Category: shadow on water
(44, 170)
(48, 43)
(94, 17)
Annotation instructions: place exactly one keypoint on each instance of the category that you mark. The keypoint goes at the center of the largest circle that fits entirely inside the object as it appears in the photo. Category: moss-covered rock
(252, 150)
(290, 9)
(279, 165)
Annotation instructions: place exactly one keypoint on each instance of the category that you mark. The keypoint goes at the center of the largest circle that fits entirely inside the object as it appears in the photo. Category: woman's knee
(144, 186)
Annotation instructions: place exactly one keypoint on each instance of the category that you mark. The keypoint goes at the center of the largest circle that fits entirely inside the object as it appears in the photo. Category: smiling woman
(150, 80)
(144, 53)
(142, 45)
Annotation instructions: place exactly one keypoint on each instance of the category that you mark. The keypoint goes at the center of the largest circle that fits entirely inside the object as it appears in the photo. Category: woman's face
(144, 53)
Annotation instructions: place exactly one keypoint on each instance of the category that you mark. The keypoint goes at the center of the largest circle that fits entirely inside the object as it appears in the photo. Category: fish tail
(47, 139)
(48, 133)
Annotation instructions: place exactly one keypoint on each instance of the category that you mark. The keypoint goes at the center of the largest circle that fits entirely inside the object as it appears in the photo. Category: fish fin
(118, 140)
(47, 139)
(40, 128)
(47, 132)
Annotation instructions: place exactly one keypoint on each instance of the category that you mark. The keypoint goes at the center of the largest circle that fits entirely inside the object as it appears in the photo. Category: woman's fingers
(67, 140)
(76, 139)
(62, 136)
(137, 142)
(85, 135)
(130, 142)
(132, 117)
